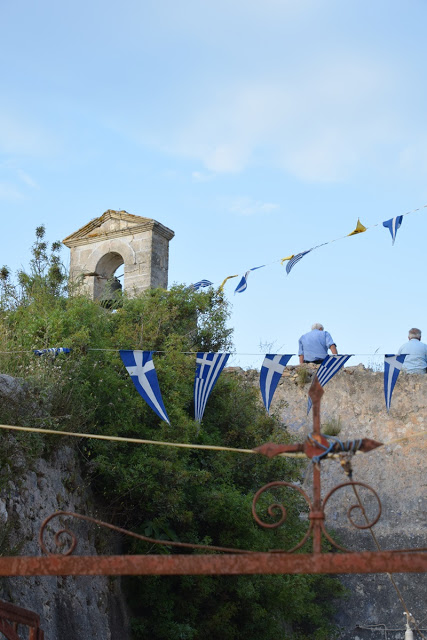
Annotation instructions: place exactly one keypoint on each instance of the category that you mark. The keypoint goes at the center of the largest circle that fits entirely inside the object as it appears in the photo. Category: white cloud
(8, 187)
(20, 137)
(10, 192)
(319, 125)
(249, 207)
(200, 176)
(224, 135)
(27, 179)
(413, 157)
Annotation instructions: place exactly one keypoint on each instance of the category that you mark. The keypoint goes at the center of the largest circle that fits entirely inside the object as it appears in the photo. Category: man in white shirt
(416, 353)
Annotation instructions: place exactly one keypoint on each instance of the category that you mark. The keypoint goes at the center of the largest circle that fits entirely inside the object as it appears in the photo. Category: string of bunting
(209, 365)
(393, 225)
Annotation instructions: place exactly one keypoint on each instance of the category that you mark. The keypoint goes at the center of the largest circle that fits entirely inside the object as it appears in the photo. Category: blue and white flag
(329, 367)
(271, 372)
(393, 225)
(392, 367)
(243, 284)
(292, 262)
(52, 351)
(209, 366)
(202, 283)
(140, 367)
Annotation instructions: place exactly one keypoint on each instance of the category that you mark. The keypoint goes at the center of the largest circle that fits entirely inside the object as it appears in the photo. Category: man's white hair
(414, 333)
(317, 325)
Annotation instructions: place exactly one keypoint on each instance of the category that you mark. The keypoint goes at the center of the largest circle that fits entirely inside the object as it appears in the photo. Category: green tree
(45, 279)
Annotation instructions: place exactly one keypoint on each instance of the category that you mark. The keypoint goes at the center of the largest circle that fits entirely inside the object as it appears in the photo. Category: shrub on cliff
(173, 494)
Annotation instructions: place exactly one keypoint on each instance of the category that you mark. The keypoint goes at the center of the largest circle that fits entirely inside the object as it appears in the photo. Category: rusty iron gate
(230, 561)
(13, 617)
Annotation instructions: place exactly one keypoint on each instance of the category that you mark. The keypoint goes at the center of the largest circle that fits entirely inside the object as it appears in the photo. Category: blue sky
(253, 130)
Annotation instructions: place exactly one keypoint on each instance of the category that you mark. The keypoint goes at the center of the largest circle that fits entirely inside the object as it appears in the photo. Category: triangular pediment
(113, 224)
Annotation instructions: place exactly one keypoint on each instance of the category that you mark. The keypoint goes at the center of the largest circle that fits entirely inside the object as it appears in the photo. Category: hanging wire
(233, 353)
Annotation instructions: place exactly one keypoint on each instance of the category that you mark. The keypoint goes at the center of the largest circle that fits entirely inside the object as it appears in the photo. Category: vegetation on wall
(172, 494)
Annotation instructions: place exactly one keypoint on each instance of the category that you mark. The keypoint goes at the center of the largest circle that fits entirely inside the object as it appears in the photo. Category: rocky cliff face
(354, 403)
(32, 488)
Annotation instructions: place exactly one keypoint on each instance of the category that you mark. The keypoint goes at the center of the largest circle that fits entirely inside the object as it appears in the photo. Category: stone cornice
(87, 234)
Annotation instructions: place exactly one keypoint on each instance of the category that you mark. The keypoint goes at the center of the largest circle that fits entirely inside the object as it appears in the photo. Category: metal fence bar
(230, 564)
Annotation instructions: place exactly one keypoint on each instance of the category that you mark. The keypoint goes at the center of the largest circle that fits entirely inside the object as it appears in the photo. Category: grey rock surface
(69, 607)
(11, 389)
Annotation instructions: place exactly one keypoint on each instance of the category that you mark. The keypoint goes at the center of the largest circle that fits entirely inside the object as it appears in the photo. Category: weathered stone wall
(355, 399)
(117, 238)
(69, 607)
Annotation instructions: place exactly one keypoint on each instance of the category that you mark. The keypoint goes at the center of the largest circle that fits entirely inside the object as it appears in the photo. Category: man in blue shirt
(416, 358)
(314, 345)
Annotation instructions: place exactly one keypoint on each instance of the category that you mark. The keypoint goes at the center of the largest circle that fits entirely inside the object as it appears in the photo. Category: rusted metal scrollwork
(315, 516)
(277, 508)
(66, 532)
(359, 506)
(318, 447)
(369, 521)
(59, 537)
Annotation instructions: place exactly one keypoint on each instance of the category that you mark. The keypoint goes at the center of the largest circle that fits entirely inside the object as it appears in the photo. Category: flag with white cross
(140, 367)
(271, 371)
(329, 367)
(209, 367)
(392, 367)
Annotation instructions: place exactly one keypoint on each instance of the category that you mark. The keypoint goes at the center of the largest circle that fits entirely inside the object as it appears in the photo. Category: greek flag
(209, 366)
(393, 225)
(292, 262)
(53, 351)
(140, 367)
(202, 283)
(392, 367)
(243, 284)
(271, 372)
(329, 367)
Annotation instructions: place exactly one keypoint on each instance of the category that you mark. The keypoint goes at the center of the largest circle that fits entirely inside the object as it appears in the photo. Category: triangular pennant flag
(209, 366)
(392, 367)
(393, 225)
(329, 367)
(221, 286)
(140, 367)
(243, 284)
(287, 258)
(360, 228)
(202, 283)
(292, 262)
(271, 372)
(53, 351)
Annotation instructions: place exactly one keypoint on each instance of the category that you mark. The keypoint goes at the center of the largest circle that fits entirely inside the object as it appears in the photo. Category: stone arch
(105, 286)
(102, 263)
(115, 238)
(98, 254)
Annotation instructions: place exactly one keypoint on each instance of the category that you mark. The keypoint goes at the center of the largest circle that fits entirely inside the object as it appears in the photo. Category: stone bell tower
(118, 238)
